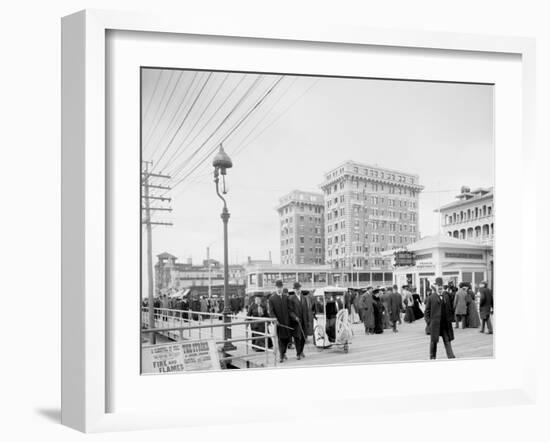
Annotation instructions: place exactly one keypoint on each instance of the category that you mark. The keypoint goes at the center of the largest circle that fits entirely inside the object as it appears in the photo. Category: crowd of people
(444, 308)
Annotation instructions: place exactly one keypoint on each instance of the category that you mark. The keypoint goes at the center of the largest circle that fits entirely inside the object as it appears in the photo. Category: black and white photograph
(302, 220)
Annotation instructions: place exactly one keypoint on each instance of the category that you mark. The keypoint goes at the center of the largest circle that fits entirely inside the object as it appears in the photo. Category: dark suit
(439, 315)
(486, 308)
(298, 312)
(394, 307)
(277, 306)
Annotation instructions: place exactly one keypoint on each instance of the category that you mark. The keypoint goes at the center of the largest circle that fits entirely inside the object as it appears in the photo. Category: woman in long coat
(417, 311)
(378, 312)
(408, 301)
(257, 310)
(367, 304)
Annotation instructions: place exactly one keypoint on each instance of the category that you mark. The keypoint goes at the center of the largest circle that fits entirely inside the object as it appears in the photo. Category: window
(301, 239)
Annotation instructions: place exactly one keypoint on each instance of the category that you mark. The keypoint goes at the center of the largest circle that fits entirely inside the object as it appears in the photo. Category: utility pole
(147, 197)
(209, 274)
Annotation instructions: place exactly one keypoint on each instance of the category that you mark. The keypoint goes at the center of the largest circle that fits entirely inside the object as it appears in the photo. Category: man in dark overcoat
(438, 315)
(277, 307)
(485, 308)
(300, 312)
(366, 303)
(395, 304)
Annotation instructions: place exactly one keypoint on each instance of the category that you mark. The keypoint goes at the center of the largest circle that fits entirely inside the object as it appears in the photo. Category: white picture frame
(86, 314)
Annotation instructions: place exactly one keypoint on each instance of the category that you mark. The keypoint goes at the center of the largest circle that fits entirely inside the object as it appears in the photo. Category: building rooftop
(373, 167)
(301, 196)
(372, 173)
(468, 196)
(441, 241)
(166, 255)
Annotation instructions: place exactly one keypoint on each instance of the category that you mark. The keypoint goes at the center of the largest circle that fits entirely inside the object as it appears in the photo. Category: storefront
(452, 259)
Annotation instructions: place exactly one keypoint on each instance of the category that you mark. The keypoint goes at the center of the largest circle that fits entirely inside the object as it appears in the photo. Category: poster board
(179, 357)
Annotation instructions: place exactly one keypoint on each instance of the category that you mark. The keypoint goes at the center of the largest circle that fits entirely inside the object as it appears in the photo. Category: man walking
(298, 313)
(394, 309)
(277, 306)
(438, 315)
(485, 308)
(461, 305)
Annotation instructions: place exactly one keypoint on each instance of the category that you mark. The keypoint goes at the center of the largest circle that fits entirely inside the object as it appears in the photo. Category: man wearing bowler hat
(439, 316)
(277, 307)
(299, 310)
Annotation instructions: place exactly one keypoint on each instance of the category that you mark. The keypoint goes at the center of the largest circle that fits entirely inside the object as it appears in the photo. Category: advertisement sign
(177, 357)
(200, 355)
(403, 258)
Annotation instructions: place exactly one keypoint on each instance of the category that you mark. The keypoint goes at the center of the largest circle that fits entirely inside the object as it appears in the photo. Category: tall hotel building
(302, 228)
(368, 210)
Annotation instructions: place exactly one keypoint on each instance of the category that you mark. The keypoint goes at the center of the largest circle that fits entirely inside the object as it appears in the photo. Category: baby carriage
(332, 327)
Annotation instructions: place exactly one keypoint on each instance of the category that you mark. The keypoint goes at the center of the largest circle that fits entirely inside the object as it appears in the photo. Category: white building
(451, 258)
(471, 217)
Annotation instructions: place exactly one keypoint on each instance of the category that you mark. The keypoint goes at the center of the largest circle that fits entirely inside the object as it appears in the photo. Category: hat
(297, 285)
(278, 283)
(375, 291)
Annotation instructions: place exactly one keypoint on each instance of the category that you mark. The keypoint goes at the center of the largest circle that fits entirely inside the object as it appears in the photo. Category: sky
(285, 132)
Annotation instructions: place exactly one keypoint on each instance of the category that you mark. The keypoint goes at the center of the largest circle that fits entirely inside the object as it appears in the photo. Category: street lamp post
(221, 163)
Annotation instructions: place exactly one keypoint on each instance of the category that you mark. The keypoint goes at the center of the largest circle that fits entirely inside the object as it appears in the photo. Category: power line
(175, 114)
(165, 108)
(232, 130)
(152, 94)
(231, 112)
(267, 113)
(178, 152)
(269, 110)
(185, 118)
(200, 116)
(162, 97)
(244, 146)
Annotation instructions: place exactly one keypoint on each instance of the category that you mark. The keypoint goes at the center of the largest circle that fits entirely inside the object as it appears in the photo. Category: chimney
(270, 256)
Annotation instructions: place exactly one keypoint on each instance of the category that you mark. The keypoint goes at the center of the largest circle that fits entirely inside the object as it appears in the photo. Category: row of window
(374, 239)
(302, 250)
(470, 214)
(302, 208)
(358, 263)
(374, 173)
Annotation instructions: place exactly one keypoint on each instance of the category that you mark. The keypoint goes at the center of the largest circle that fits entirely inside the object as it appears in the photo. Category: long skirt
(409, 315)
(418, 314)
(472, 319)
